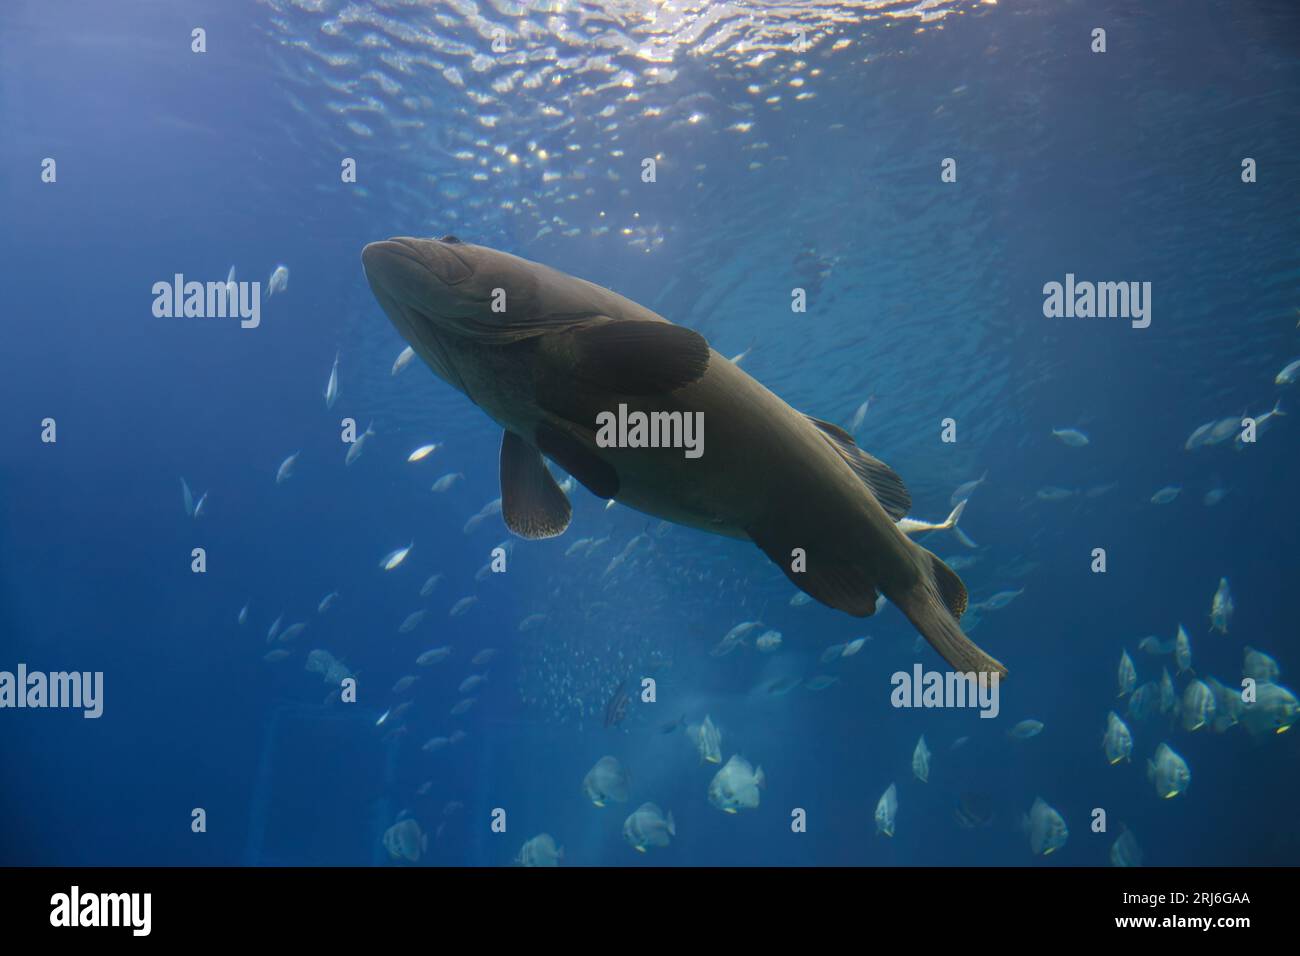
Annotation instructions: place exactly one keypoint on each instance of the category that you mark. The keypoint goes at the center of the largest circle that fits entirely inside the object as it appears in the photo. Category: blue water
(777, 169)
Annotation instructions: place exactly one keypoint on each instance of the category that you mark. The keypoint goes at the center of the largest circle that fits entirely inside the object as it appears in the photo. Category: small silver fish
(463, 605)
(887, 811)
(471, 682)
(395, 558)
(832, 653)
(1221, 608)
(1127, 675)
(921, 761)
(356, 447)
(332, 386)
(860, 415)
(965, 490)
(411, 621)
(292, 631)
(820, 682)
(405, 684)
(1052, 493)
(403, 359)
(446, 481)
(1182, 650)
(279, 281)
(435, 656)
(1214, 496)
(1001, 600)
(853, 646)
(285, 471)
(1026, 729)
(1070, 436)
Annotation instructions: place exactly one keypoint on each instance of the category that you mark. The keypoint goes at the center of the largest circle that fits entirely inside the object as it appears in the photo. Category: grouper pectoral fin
(603, 360)
(633, 356)
(834, 581)
(875, 474)
(532, 504)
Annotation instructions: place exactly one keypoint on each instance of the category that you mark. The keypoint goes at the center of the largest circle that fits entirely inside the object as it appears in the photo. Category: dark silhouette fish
(547, 355)
(616, 707)
(974, 810)
(672, 725)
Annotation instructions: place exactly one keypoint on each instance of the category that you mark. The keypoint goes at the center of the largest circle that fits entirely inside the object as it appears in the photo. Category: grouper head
(426, 281)
(428, 288)
(448, 287)
(444, 294)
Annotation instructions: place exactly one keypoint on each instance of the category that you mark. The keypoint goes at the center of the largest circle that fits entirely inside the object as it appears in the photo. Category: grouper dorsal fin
(635, 356)
(532, 504)
(875, 474)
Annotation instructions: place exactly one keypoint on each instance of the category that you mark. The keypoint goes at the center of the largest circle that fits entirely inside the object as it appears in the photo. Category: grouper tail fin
(934, 605)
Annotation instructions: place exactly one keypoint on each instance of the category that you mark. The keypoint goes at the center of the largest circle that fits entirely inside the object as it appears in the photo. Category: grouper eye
(449, 238)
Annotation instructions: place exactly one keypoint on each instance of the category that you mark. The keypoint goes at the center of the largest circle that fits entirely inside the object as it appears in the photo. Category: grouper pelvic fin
(882, 480)
(532, 504)
(595, 475)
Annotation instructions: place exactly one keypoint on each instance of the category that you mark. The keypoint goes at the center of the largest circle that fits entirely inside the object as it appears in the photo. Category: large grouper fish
(545, 354)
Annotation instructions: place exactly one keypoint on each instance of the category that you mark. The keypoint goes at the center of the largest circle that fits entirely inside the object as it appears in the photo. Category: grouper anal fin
(835, 582)
(532, 504)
